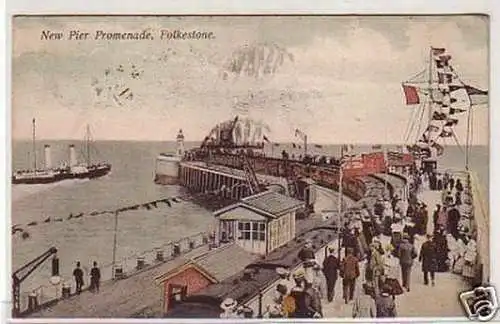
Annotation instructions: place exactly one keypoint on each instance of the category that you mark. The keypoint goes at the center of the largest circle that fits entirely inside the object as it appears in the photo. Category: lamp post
(339, 207)
(114, 246)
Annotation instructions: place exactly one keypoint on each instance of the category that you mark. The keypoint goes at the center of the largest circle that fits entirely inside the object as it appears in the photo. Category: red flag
(411, 95)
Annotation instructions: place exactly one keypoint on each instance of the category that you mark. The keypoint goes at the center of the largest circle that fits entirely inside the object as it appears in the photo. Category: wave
(21, 191)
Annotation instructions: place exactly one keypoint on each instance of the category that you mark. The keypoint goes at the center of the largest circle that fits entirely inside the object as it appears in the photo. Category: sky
(340, 81)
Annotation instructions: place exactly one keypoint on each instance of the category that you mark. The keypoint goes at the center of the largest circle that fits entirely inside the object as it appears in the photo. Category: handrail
(48, 294)
(481, 218)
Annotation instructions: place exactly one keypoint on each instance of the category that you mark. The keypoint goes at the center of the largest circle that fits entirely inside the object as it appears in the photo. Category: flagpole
(305, 145)
(386, 162)
(339, 207)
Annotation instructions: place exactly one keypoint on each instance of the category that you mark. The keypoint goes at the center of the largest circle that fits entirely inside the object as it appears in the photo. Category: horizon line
(276, 142)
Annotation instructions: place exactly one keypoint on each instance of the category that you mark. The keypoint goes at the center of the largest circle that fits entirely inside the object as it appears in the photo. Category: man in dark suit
(406, 254)
(330, 268)
(428, 258)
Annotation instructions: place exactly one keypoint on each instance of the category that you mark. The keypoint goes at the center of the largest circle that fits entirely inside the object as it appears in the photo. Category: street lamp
(114, 246)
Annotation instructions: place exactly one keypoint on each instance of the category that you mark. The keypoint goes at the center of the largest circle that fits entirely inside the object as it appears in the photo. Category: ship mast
(430, 88)
(87, 145)
(34, 145)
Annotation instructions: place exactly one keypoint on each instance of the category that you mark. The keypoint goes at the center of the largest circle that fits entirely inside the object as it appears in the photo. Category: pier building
(259, 223)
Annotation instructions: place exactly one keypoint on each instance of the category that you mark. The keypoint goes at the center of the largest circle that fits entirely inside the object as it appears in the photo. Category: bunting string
(154, 204)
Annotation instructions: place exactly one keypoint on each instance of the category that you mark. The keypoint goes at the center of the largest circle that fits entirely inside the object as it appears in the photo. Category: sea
(90, 238)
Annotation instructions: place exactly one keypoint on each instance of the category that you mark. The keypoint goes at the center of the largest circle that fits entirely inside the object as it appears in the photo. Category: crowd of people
(387, 268)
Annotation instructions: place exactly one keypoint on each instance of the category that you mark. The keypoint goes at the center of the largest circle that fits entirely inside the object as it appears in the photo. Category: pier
(138, 295)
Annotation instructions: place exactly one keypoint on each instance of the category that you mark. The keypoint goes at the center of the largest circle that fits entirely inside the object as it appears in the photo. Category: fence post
(140, 263)
(260, 315)
(159, 255)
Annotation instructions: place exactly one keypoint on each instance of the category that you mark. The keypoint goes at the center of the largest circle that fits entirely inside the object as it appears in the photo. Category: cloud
(346, 75)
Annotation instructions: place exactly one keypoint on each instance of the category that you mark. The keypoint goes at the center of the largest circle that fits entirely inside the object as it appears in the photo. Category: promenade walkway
(422, 301)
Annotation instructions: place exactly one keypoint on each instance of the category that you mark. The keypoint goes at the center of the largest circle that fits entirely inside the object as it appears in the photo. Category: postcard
(300, 166)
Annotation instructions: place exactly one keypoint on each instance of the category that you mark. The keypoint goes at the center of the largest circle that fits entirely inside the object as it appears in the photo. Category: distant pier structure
(167, 164)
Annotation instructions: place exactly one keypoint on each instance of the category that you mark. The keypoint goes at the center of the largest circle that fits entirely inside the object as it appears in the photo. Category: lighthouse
(168, 164)
(180, 143)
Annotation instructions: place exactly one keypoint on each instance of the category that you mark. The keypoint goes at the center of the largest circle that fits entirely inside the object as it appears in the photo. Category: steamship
(74, 170)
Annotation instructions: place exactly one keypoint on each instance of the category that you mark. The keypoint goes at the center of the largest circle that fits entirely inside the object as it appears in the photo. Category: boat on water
(73, 170)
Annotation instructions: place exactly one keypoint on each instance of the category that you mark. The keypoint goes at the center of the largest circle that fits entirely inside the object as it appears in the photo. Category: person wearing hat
(285, 280)
(453, 219)
(435, 215)
(331, 267)
(390, 277)
(375, 263)
(386, 307)
(378, 207)
(428, 258)
(299, 278)
(295, 299)
(310, 303)
(349, 271)
(319, 281)
(308, 258)
(406, 253)
(228, 307)
(364, 305)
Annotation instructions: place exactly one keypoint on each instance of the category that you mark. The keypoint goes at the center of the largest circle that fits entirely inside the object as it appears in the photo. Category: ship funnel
(72, 156)
(48, 158)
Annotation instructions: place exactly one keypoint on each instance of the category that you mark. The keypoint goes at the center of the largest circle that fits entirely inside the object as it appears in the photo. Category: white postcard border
(249, 7)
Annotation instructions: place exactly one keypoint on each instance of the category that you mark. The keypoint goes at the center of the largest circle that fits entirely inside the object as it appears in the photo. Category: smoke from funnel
(48, 159)
(72, 156)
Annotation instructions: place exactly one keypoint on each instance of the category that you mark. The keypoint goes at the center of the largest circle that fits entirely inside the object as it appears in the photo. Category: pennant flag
(455, 87)
(299, 133)
(439, 149)
(154, 204)
(175, 200)
(293, 145)
(438, 51)
(446, 134)
(32, 223)
(411, 95)
(167, 202)
(445, 77)
(266, 139)
(443, 61)
(47, 220)
(439, 64)
(432, 128)
(451, 122)
(318, 146)
(456, 111)
(477, 96)
(146, 206)
(438, 116)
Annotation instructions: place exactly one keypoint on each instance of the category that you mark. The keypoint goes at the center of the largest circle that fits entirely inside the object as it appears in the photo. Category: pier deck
(119, 298)
(421, 301)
